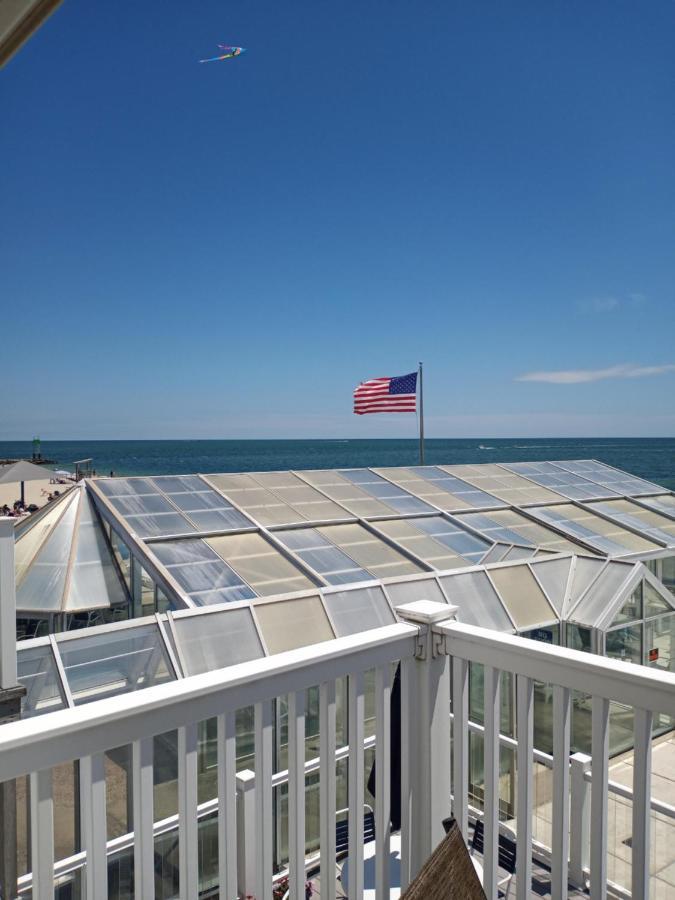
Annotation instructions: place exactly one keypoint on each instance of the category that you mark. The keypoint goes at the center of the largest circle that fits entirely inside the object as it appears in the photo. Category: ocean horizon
(650, 458)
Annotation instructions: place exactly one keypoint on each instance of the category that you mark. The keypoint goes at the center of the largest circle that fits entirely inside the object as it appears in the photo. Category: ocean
(651, 458)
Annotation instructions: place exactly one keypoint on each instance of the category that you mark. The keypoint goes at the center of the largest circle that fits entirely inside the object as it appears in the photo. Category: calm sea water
(651, 458)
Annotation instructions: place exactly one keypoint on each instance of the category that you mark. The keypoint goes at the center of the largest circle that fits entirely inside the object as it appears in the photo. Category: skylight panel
(391, 494)
(289, 624)
(477, 600)
(201, 573)
(507, 486)
(619, 482)
(569, 484)
(37, 672)
(369, 551)
(321, 555)
(600, 533)
(260, 564)
(649, 522)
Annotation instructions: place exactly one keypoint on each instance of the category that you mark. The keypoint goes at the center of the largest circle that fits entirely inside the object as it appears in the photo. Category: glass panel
(369, 551)
(655, 604)
(322, 556)
(625, 644)
(668, 573)
(177, 484)
(395, 497)
(579, 638)
(289, 624)
(651, 523)
(159, 525)
(553, 576)
(403, 592)
(601, 474)
(43, 585)
(522, 596)
(30, 542)
(94, 580)
(599, 532)
(551, 476)
(115, 487)
(198, 568)
(477, 600)
(632, 608)
(37, 672)
(138, 505)
(216, 640)
(596, 603)
(114, 662)
(416, 541)
(358, 610)
(260, 564)
(505, 485)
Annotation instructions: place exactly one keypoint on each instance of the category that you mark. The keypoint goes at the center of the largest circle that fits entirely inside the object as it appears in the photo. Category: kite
(229, 54)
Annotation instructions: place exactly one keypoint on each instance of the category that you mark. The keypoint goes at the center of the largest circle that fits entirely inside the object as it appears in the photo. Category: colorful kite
(229, 54)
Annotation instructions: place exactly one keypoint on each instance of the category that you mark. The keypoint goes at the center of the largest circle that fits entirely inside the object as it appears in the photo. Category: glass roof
(606, 536)
(506, 485)
(523, 597)
(65, 561)
(477, 599)
(660, 527)
(569, 484)
(437, 486)
(553, 576)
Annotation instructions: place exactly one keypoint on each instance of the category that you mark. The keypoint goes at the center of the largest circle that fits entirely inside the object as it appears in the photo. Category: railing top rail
(45, 741)
(633, 685)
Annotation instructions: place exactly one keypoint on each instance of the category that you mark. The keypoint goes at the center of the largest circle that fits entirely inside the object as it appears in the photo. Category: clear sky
(226, 250)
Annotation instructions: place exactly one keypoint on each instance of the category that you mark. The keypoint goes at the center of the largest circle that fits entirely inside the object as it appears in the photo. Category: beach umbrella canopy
(23, 471)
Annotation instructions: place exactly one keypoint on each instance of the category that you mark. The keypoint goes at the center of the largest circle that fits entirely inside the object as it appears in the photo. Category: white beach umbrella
(23, 471)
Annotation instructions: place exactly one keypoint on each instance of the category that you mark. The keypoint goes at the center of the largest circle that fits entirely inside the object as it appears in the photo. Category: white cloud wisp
(582, 376)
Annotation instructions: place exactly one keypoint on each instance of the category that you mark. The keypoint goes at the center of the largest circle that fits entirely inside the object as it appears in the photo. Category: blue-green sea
(651, 458)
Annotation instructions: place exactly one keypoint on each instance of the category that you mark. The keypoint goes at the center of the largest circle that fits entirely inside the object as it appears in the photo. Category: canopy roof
(64, 562)
(24, 471)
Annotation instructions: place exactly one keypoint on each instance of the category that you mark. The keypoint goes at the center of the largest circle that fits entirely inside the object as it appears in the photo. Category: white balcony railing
(428, 647)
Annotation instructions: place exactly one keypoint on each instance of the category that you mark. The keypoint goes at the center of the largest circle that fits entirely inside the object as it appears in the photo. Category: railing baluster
(42, 834)
(264, 723)
(227, 805)
(143, 807)
(642, 779)
(188, 830)
(492, 706)
(327, 787)
(383, 780)
(408, 693)
(94, 824)
(296, 792)
(560, 841)
(525, 726)
(599, 753)
(460, 744)
(355, 790)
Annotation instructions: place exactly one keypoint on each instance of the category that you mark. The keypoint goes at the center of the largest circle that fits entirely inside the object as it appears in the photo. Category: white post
(246, 842)
(580, 818)
(427, 725)
(7, 606)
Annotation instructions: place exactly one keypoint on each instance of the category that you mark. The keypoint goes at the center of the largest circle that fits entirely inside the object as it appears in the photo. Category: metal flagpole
(421, 418)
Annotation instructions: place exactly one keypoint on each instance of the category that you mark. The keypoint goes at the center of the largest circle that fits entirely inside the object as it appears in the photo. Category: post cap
(426, 612)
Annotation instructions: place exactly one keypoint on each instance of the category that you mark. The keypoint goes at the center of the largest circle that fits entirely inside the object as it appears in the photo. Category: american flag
(381, 395)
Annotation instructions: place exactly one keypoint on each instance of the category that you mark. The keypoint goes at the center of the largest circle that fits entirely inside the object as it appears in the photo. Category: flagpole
(421, 418)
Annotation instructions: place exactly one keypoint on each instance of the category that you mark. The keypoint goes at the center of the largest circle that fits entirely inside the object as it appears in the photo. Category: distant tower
(37, 454)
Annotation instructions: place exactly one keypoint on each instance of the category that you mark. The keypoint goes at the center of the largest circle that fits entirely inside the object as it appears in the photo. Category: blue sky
(225, 250)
